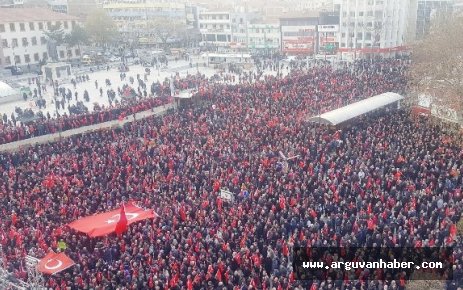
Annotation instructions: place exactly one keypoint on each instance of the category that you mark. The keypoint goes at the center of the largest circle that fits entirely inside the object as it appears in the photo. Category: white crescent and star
(59, 263)
(115, 218)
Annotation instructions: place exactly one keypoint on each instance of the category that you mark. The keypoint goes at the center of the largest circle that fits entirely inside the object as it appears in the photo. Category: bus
(227, 58)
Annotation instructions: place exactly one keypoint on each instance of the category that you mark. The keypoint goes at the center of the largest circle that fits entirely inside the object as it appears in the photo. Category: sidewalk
(86, 129)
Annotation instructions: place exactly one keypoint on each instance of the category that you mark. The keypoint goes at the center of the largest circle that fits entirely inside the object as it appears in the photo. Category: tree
(101, 28)
(77, 37)
(165, 28)
(437, 64)
(55, 37)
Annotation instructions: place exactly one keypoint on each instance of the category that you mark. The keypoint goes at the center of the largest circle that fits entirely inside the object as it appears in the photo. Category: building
(264, 38)
(313, 5)
(60, 6)
(458, 7)
(372, 27)
(132, 17)
(240, 21)
(82, 8)
(299, 34)
(216, 29)
(22, 38)
(328, 32)
(429, 9)
(11, 3)
(192, 15)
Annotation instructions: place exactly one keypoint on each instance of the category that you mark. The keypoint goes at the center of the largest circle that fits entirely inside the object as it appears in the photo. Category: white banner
(445, 113)
(227, 195)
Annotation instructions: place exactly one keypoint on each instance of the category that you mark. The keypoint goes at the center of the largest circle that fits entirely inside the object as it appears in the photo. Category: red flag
(189, 284)
(54, 263)
(14, 218)
(104, 223)
(122, 223)
(182, 213)
(218, 275)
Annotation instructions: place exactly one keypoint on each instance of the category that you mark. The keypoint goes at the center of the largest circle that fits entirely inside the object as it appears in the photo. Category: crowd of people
(14, 129)
(386, 180)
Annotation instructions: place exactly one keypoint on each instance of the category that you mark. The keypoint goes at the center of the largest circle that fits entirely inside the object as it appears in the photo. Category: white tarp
(6, 90)
(354, 110)
(8, 94)
(442, 112)
(227, 195)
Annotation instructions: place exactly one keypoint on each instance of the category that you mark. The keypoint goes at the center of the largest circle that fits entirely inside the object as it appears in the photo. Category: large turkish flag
(54, 263)
(103, 224)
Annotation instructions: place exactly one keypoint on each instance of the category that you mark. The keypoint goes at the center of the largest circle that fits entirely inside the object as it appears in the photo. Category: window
(61, 54)
(2, 27)
(66, 25)
(73, 24)
(27, 58)
(14, 42)
(36, 57)
(4, 43)
(69, 53)
(40, 26)
(7, 60)
(12, 27)
(17, 59)
(31, 26)
(77, 52)
(25, 42)
(48, 25)
(34, 40)
(22, 27)
(368, 36)
(43, 40)
(45, 55)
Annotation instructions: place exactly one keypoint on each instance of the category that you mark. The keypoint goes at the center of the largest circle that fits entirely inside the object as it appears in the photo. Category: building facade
(82, 8)
(429, 10)
(23, 40)
(372, 27)
(328, 33)
(132, 17)
(264, 38)
(299, 35)
(60, 6)
(216, 29)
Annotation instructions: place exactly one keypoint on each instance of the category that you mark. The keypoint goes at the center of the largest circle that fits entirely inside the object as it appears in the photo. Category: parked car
(15, 70)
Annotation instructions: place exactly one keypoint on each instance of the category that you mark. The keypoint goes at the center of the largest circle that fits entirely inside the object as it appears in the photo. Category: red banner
(105, 223)
(54, 263)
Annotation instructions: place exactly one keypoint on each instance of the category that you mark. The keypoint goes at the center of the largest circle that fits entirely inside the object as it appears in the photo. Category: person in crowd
(386, 180)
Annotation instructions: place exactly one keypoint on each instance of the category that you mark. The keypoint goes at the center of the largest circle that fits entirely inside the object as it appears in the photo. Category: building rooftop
(32, 14)
(299, 15)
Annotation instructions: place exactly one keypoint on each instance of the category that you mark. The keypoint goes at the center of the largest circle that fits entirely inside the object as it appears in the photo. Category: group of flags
(116, 221)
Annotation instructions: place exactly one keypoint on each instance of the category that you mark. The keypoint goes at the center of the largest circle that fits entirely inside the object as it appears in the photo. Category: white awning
(354, 110)
(7, 90)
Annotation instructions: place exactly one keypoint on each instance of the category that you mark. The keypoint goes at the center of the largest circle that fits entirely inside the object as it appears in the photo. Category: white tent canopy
(354, 110)
(8, 94)
(6, 90)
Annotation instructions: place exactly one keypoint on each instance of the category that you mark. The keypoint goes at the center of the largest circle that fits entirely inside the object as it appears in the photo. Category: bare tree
(101, 28)
(437, 67)
(165, 29)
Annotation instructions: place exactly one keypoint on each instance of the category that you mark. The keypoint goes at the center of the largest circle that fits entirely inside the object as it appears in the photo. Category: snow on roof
(354, 110)
(6, 90)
